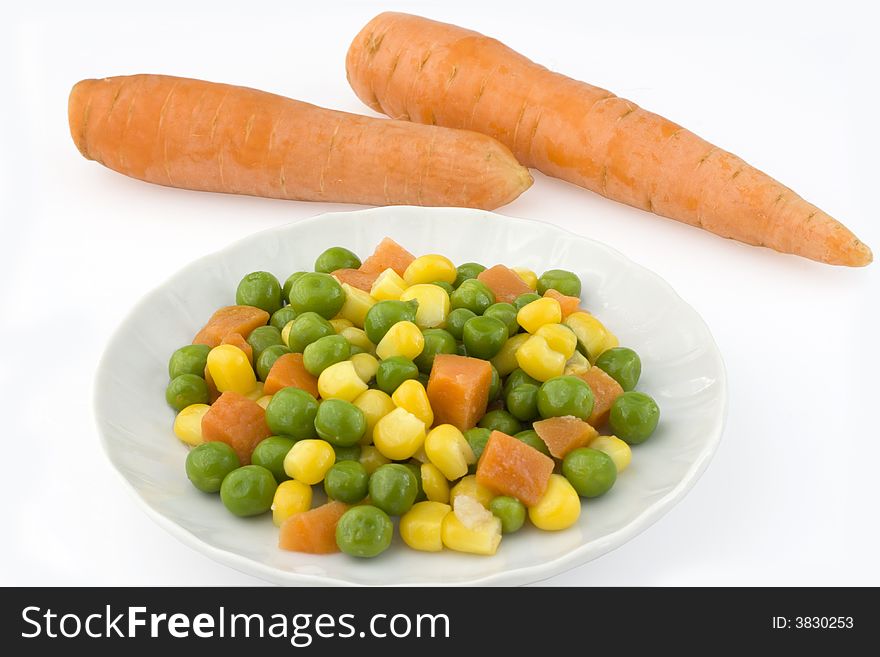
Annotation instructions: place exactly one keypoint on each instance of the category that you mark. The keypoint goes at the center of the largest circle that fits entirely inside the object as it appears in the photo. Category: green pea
(267, 359)
(484, 336)
(522, 402)
(456, 320)
(292, 412)
(477, 439)
(565, 395)
(318, 293)
(500, 420)
(516, 378)
(460, 349)
(621, 364)
(207, 464)
(324, 352)
(185, 390)
(248, 490)
(634, 416)
(510, 511)
(336, 257)
(416, 469)
(494, 385)
(346, 481)
(437, 341)
(466, 272)
(423, 378)
(473, 295)
(394, 371)
(446, 286)
(506, 313)
(591, 472)
(263, 337)
(349, 453)
(282, 316)
(393, 488)
(270, 453)
(340, 422)
(364, 531)
(285, 290)
(531, 438)
(524, 300)
(260, 289)
(191, 359)
(564, 282)
(385, 314)
(307, 328)
(356, 349)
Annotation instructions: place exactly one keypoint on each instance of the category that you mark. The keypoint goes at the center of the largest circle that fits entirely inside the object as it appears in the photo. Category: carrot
(221, 138)
(458, 389)
(236, 340)
(413, 68)
(237, 421)
(312, 531)
(511, 467)
(228, 320)
(289, 371)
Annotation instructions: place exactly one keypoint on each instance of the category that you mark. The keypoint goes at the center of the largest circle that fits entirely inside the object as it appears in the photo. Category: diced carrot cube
(237, 421)
(213, 393)
(458, 389)
(504, 283)
(563, 434)
(287, 371)
(362, 280)
(568, 304)
(388, 255)
(605, 391)
(236, 340)
(510, 467)
(231, 319)
(312, 531)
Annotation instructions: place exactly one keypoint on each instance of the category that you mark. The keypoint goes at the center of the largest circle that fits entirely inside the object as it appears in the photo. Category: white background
(792, 495)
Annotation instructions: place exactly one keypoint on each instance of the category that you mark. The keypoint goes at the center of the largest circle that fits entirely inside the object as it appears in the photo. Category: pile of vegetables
(488, 113)
(462, 400)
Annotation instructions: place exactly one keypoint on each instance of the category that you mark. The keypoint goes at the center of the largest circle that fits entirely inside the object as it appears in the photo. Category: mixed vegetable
(462, 400)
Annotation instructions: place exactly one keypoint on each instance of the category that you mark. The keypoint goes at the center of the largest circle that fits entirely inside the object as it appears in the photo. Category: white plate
(682, 370)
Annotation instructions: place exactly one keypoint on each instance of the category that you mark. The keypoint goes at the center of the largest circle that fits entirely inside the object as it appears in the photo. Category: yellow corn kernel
(420, 455)
(559, 508)
(559, 338)
(577, 364)
(430, 268)
(534, 315)
(468, 486)
(231, 370)
(371, 458)
(291, 497)
(529, 277)
(339, 323)
(375, 405)
(308, 460)
(399, 434)
(188, 423)
(264, 401)
(285, 333)
(388, 286)
(447, 448)
(483, 538)
(538, 360)
(403, 339)
(357, 304)
(341, 381)
(358, 338)
(505, 359)
(614, 447)
(412, 396)
(434, 484)
(257, 392)
(591, 334)
(365, 365)
(433, 304)
(420, 527)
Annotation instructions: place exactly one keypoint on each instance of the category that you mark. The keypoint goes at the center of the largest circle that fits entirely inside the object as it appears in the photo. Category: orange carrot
(413, 68)
(221, 138)
(228, 320)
